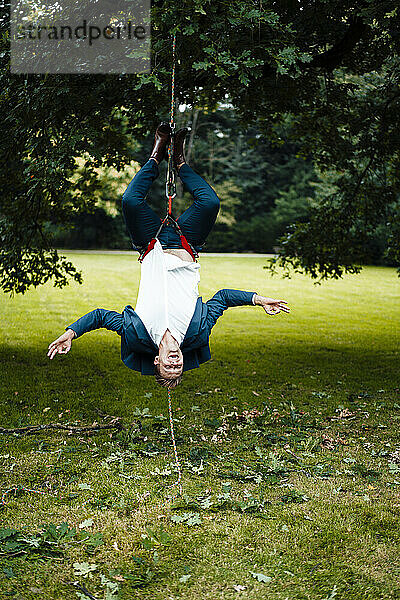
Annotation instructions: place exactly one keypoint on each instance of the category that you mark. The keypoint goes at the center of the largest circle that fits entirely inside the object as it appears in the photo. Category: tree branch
(334, 56)
(71, 428)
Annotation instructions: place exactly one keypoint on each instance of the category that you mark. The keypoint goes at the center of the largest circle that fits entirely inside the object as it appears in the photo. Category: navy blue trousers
(143, 223)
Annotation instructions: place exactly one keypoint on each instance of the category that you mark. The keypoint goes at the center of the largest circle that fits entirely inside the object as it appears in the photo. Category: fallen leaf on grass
(84, 486)
(393, 468)
(294, 496)
(86, 523)
(332, 594)
(327, 442)
(190, 519)
(261, 577)
(342, 414)
(330, 443)
(247, 415)
(85, 569)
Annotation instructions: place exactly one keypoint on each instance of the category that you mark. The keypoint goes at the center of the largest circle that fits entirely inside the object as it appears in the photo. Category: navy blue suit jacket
(138, 349)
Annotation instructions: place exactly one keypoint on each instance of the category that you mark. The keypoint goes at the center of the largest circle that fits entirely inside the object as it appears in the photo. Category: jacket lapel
(194, 325)
(132, 320)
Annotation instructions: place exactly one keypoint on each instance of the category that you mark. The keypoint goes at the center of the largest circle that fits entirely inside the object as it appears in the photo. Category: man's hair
(170, 384)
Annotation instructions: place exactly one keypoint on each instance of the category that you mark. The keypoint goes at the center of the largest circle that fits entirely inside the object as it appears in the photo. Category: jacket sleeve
(225, 299)
(95, 319)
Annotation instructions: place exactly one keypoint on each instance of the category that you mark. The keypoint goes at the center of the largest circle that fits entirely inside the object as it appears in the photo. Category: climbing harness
(184, 242)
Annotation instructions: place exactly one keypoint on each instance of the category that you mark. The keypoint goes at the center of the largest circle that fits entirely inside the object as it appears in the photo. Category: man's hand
(61, 345)
(270, 305)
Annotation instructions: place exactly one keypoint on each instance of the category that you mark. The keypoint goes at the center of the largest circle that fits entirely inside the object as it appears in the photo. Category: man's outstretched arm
(227, 298)
(95, 319)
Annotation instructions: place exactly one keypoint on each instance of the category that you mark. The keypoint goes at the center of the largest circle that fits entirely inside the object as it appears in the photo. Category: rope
(170, 187)
(173, 80)
(171, 193)
(178, 481)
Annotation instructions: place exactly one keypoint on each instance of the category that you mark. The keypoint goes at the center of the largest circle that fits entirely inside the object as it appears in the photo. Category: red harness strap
(185, 244)
(149, 247)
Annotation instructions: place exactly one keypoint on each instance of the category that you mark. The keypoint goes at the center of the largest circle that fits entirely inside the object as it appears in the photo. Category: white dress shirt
(168, 293)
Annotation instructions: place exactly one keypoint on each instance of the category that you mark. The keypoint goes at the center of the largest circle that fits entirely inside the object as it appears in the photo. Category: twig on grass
(116, 424)
(81, 588)
(289, 451)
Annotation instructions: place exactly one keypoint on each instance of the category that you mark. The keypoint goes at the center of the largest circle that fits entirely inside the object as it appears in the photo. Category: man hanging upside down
(169, 330)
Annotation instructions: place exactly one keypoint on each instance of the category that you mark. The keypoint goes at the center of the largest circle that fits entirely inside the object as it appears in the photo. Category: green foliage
(102, 225)
(51, 541)
(346, 225)
(335, 77)
(143, 574)
(146, 568)
(294, 496)
(152, 539)
(222, 502)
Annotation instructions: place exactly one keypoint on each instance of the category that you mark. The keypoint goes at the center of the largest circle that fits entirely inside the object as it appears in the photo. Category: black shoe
(162, 140)
(179, 140)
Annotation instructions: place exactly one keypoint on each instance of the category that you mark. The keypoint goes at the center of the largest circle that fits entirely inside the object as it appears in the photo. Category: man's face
(170, 363)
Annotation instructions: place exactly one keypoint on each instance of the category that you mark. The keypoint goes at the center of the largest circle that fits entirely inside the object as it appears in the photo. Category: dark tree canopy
(331, 68)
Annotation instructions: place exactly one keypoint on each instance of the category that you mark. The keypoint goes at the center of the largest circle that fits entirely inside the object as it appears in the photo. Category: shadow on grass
(99, 368)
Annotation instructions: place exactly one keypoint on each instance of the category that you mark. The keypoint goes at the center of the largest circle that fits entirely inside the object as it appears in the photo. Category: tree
(256, 181)
(331, 67)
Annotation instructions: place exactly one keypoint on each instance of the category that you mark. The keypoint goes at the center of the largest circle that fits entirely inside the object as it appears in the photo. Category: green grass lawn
(296, 500)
